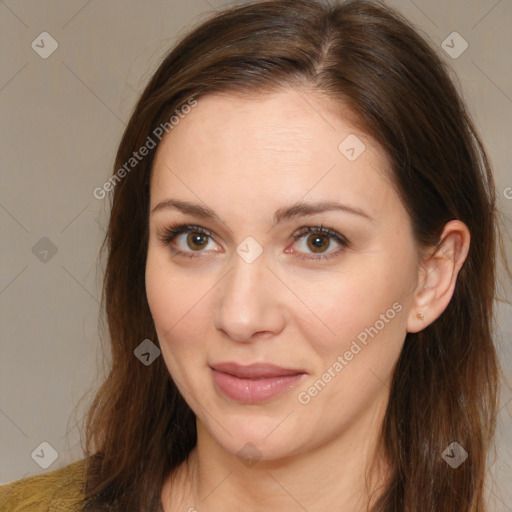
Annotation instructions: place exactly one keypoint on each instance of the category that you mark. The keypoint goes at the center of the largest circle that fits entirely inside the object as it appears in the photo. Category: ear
(438, 275)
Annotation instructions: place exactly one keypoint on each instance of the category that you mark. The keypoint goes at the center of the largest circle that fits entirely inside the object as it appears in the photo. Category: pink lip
(254, 383)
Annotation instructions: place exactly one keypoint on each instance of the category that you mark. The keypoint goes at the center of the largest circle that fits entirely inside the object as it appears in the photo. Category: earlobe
(438, 276)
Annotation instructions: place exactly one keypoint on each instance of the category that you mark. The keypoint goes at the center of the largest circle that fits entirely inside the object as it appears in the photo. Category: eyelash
(171, 232)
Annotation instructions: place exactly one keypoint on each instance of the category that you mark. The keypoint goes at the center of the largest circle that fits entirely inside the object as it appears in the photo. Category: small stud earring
(421, 316)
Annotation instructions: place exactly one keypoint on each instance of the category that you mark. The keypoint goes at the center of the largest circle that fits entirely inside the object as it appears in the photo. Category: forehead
(287, 143)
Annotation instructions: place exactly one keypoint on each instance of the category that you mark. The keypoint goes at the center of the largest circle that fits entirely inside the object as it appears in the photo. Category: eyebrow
(299, 209)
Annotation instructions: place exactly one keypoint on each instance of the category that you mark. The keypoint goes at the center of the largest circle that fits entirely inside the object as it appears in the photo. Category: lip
(254, 383)
(255, 371)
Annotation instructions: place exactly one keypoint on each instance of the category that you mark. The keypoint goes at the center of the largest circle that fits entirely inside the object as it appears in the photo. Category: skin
(246, 157)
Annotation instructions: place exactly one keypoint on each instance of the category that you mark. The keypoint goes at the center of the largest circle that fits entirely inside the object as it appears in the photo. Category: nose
(248, 303)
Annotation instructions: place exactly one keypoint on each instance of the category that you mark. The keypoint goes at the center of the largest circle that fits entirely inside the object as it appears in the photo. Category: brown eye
(186, 240)
(314, 242)
(318, 243)
(197, 241)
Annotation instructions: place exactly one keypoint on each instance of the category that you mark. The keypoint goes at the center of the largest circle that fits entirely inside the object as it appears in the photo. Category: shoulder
(58, 490)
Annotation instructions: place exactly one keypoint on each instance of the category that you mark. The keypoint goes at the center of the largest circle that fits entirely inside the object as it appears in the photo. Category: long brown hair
(444, 390)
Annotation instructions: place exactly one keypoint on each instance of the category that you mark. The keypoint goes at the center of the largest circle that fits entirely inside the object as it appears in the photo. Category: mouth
(254, 383)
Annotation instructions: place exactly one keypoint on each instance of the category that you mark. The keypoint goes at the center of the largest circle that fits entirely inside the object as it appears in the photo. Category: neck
(346, 471)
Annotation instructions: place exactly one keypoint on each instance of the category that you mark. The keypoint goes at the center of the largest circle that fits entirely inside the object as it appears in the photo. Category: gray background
(62, 118)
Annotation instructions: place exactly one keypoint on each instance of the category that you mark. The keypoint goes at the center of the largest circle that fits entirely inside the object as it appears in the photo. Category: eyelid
(170, 232)
(323, 231)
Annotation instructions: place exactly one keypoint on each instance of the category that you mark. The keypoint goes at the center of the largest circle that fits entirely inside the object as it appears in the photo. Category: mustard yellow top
(56, 491)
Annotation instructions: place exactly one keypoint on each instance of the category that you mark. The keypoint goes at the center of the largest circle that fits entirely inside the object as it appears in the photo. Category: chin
(256, 437)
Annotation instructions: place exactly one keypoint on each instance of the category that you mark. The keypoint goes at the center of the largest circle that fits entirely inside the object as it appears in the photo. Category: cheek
(177, 303)
(181, 323)
(358, 341)
(347, 306)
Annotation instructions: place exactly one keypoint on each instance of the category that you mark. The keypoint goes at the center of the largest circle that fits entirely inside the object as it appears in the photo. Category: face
(290, 248)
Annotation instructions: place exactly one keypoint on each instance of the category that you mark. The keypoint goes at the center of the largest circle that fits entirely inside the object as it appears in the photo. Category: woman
(300, 277)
